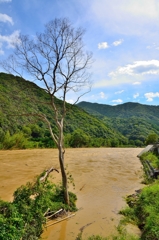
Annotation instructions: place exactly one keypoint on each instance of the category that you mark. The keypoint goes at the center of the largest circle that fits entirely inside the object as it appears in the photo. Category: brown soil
(103, 176)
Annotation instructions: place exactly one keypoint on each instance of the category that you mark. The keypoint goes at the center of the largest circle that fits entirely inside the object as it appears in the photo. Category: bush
(144, 210)
(152, 158)
(24, 217)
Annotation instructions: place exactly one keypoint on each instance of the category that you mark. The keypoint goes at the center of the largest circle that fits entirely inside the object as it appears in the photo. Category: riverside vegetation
(24, 217)
(143, 207)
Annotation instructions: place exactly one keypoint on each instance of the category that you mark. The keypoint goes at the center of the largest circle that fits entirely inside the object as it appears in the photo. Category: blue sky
(122, 35)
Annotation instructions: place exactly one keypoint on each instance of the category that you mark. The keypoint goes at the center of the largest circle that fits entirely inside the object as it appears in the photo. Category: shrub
(144, 209)
(152, 158)
(24, 217)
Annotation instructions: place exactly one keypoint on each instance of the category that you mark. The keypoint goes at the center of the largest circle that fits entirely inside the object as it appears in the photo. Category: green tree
(152, 138)
(114, 142)
(7, 143)
(27, 131)
(36, 131)
(79, 139)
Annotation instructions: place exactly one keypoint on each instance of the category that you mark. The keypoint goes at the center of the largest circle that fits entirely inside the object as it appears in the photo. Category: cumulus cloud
(6, 18)
(136, 83)
(151, 95)
(117, 101)
(119, 92)
(116, 43)
(10, 40)
(139, 68)
(136, 95)
(103, 45)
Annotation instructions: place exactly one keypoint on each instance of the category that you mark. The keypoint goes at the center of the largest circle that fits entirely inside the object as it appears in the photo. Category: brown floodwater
(102, 176)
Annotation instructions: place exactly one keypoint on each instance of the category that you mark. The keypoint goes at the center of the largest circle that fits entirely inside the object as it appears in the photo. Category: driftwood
(54, 214)
(48, 171)
(46, 212)
(61, 220)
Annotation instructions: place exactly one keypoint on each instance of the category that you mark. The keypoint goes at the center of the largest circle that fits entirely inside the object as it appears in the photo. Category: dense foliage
(24, 217)
(143, 207)
(152, 158)
(125, 110)
(133, 120)
(22, 101)
(143, 210)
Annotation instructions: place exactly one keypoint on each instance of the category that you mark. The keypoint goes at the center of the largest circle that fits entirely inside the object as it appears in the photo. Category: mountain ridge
(133, 120)
(124, 110)
(20, 99)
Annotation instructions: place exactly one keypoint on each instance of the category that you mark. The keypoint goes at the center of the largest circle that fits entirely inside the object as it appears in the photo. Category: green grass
(152, 158)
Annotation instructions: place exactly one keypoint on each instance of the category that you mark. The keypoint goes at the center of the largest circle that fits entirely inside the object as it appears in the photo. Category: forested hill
(125, 110)
(135, 121)
(21, 99)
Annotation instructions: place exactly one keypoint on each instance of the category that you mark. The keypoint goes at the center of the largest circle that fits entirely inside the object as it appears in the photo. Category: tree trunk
(64, 176)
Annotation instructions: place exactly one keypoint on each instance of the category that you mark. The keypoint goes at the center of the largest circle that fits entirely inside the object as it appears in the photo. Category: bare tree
(57, 59)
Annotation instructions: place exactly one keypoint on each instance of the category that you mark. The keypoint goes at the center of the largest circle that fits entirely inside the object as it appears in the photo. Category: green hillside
(126, 110)
(133, 120)
(21, 99)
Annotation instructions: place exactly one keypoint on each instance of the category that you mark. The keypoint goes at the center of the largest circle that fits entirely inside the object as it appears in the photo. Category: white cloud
(136, 95)
(139, 68)
(119, 92)
(11, 39)
(6, 18)
(112, 74)
(136, 83)
(71, 101)
(116, 43)
(117, 101)
(103, 45)
(102, 95)
(5, 1)
(153, 46)
(151, 95)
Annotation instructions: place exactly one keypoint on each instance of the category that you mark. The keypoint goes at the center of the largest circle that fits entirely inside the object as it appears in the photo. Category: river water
(102, 176)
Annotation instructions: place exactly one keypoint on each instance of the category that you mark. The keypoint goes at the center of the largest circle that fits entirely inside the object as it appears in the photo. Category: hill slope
(125, 110)
(135, 121)
(21, 99)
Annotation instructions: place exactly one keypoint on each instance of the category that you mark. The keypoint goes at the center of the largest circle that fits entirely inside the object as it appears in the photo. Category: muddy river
(102, 176)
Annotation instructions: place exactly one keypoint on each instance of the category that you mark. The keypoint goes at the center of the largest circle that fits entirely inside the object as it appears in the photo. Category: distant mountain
(125, 110)
(20, 99)
(134, 120)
